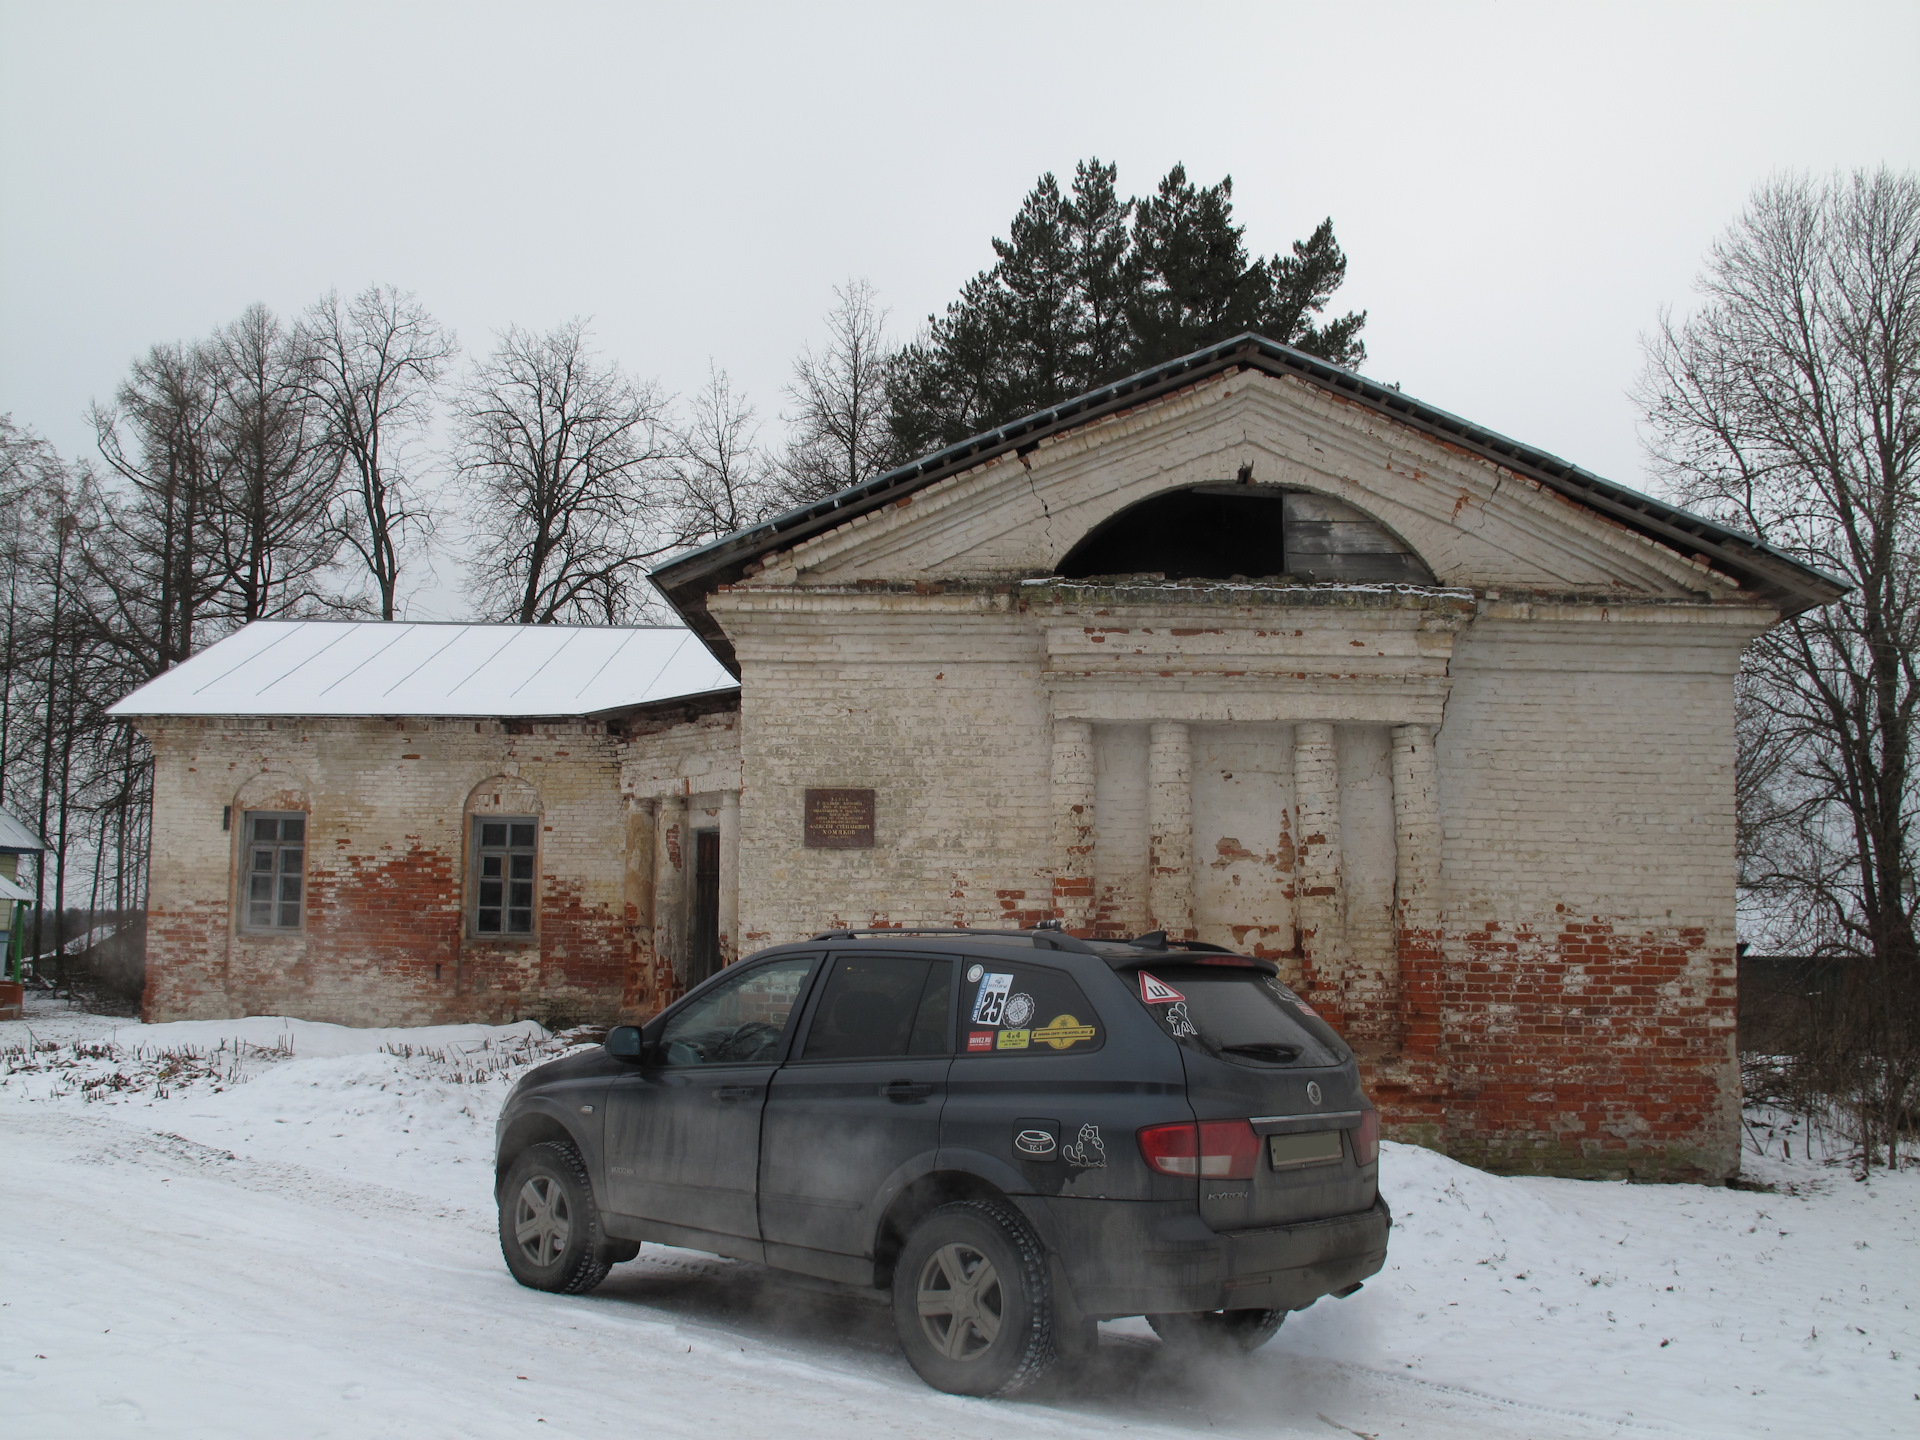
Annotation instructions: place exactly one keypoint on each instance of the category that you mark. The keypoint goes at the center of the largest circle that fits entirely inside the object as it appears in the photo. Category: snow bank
(1715, 1310)
(302, 1038)
(410, 1109)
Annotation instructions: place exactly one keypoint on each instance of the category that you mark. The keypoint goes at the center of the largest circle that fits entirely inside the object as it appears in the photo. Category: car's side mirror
(624, 1043)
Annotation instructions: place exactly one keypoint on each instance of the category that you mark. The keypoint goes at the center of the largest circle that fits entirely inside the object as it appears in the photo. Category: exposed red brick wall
(383, 939)
(1578, 1049)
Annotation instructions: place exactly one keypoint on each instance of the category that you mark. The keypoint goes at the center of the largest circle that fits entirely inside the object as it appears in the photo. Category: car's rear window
(1008, 1007)
(1235, 1014)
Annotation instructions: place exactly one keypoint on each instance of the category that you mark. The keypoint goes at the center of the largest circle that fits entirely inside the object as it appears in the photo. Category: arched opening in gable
(1245, 532)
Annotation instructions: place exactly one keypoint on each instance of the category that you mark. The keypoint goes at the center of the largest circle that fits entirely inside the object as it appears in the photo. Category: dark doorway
(703, 951)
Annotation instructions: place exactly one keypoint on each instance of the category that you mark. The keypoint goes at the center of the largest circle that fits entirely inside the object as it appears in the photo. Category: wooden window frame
(279, 846)
(479, 852)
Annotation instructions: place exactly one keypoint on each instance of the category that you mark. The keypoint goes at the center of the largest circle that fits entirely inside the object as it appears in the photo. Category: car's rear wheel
(1218, 1330)
(971, 1300)
(549, 1226)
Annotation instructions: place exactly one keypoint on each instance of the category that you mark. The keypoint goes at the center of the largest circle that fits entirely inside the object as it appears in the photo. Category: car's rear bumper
(1148, 1258)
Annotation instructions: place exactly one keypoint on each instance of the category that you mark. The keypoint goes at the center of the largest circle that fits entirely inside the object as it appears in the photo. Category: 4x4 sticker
(1019, 1009)
(1156, 991)
(1013, 1040)
(1089, 1152)
(1062, 1031)
(992, 999)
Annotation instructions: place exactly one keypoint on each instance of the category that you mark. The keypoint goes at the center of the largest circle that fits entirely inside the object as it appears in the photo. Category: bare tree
(722, 480)
(277, 477)
(159, 556)
(839, 397)
(31, 475)
(562, 457)
(1789, 404)
(373, 365)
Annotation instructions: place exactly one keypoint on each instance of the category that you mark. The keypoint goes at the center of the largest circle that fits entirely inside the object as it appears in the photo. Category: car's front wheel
(972, 1303)
(549, 1225)
(1218, 1330)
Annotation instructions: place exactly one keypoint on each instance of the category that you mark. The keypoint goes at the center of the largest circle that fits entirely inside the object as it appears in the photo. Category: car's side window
(933, 1026)
(1009, 1007)
(875, 1007)
(739, 1021)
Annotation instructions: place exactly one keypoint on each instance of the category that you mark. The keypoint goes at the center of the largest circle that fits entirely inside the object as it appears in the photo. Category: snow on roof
(16, 838)
(374, 667)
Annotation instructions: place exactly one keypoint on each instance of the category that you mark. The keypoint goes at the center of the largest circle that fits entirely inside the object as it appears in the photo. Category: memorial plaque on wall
(839, 820)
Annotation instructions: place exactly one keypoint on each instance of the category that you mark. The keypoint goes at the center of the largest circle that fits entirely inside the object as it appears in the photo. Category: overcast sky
(1519, 189)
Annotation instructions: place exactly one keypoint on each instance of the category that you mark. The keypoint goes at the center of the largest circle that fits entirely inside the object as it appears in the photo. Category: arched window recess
(1245, 532)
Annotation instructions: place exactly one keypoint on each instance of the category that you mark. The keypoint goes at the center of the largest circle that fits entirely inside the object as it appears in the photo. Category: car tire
(549, 1225)
(1217, 1331)
(972, 1302)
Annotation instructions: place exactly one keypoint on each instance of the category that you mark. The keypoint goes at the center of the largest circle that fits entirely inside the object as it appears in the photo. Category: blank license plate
(1316, 1148)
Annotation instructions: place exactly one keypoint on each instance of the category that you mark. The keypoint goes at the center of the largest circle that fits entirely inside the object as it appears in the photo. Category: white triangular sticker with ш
(1157, 992)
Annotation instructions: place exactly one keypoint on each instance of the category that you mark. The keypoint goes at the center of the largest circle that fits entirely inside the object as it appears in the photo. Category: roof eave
(708, 698)
(686, 581)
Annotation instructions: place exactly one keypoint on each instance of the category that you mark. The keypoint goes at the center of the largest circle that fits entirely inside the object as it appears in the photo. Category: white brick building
(1245, 648)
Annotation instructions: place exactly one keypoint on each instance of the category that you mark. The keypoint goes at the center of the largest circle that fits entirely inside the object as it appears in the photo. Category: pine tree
(1088, 287)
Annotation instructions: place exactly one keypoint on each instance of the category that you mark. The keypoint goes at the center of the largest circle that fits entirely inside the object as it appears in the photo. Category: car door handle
(736, 1092)
(905, 1090)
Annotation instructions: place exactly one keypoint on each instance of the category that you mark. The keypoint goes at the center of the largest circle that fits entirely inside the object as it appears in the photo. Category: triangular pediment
(1472, 521)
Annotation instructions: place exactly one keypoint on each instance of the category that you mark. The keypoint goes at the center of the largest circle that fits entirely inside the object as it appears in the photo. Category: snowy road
(305, 1248)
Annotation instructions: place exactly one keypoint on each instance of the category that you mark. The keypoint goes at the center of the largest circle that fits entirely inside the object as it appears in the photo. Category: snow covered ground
(295, 1237)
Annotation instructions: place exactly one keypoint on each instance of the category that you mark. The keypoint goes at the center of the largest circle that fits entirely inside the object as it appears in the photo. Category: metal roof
(17, 838)
(687, 580)
(374, 667)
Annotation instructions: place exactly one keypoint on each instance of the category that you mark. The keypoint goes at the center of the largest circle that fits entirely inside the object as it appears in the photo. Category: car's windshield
(1236, 1014)
(739, 1021)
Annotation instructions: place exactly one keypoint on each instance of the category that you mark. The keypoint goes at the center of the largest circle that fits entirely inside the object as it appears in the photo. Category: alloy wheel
(542, 1223)
(961, 1301)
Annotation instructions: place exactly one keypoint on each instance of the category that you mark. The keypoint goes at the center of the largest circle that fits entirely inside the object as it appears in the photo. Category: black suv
(1018, 1133)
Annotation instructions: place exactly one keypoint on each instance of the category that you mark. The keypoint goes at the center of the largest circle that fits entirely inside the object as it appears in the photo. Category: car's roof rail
(1044, 936)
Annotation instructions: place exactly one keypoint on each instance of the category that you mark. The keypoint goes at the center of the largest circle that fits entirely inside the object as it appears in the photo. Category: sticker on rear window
(991, 1002)
(1062, 1031)
(980, 1040)
(1019, 1009)
(1013, 1040)
(1156, 991)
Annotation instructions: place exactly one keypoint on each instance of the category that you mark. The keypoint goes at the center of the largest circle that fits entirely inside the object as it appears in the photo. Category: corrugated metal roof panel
(372, 667)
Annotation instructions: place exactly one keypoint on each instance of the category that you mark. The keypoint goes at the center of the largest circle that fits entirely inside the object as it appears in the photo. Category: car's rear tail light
(1228, 1149)
(1217, 1149)
(1366, 1140)
(1171, 1149)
